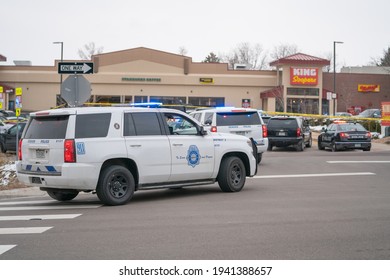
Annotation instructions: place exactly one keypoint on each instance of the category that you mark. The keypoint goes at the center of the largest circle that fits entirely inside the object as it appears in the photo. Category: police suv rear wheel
(232, 174)
(116, 185)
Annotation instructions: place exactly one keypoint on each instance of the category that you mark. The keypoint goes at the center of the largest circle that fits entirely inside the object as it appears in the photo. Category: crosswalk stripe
(29, 202)
(24, 230)
(39, 217)
(5, 248)
(53, 207)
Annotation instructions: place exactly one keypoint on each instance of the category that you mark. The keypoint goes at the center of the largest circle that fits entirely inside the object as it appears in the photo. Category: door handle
(177, 145)
(136, 145)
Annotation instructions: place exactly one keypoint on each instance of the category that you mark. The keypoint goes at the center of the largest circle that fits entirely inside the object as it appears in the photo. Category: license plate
(358, 145)
(240, 132)
(40, 153)
(282, 133)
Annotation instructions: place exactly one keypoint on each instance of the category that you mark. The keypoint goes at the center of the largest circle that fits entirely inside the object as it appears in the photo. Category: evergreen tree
(212, 58)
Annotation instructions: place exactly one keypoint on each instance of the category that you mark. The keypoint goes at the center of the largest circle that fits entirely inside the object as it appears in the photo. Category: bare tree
(183, 51)
(284, 50)
(89, 50)
(253, 56)
(328, 56)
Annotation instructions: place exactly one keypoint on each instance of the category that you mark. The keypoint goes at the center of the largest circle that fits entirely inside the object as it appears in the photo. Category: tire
(333, 146)
(269, 148)
(2, 148)
(320, 146)
(259, 157)
(367, 149)
(301, 146)
(232, 174)
(310, 143)
(62, 195)
(116, 185)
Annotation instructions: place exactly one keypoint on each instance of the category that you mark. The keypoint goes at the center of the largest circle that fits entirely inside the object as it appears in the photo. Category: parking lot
(301, 205)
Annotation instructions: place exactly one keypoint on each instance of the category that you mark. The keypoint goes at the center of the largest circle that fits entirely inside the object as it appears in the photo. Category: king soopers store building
(298, 83)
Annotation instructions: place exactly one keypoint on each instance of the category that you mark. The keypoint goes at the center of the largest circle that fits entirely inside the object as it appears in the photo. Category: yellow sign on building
(18, 91)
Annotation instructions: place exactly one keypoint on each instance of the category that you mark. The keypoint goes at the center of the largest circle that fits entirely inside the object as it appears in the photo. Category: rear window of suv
(53, 127)
(238, 118)
(282, 123)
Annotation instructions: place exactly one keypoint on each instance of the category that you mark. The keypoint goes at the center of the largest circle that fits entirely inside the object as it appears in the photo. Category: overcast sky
(28, 28)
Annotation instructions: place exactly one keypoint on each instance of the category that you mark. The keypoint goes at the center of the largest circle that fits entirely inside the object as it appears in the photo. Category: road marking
(39, 217)
(24, 230)
(29, 202)
(54, 207)
(5, 248)
(313, 175)
(358, 161)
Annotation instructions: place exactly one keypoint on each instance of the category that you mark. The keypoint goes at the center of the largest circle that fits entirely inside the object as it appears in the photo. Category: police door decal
(193, 156)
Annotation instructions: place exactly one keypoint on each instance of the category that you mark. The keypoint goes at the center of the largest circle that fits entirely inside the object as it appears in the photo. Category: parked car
(8, 137)
(264, 116)
(345, 135)
(15, 119)
(343, 114)
(284, 131)
(370, 113)
(7, 113)
(242, 121)
(4, 126)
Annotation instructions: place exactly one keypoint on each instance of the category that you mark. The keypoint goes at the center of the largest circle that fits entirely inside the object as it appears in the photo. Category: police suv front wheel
(232, 174)
(116, 185)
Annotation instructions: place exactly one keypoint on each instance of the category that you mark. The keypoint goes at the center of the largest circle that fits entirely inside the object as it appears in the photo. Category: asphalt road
(301, 205)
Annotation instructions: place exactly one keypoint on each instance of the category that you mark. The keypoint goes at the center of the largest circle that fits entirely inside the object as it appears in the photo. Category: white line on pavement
(39, 217)
(29, 202)
(54, 207)
(5, 248)
(358, 161)
(23, 230)
(313, 175)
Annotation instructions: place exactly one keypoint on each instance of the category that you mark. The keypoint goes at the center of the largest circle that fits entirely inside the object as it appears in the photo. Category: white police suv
(241, 121)
(118, 150)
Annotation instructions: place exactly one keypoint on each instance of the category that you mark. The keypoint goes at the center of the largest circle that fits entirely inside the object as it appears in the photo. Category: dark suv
(289, 131)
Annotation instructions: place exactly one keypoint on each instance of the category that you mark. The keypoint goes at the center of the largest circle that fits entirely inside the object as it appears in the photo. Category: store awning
(273, 92)
(7, 89)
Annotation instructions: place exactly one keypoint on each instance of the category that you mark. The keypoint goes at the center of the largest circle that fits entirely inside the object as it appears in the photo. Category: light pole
(334, 75)
(62, 58)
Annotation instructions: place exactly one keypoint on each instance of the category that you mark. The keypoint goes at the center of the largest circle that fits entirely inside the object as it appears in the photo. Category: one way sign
(75, 68)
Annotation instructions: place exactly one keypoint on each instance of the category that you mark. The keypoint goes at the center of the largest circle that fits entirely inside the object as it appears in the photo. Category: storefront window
(108, 99)
(303, 91)
(325, 107)
(302, 106)
(140, 99)
(207, 101)
(128, 99)
(169, 99)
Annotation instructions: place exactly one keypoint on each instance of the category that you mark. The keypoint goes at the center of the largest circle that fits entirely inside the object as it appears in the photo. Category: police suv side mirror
(202, 131)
